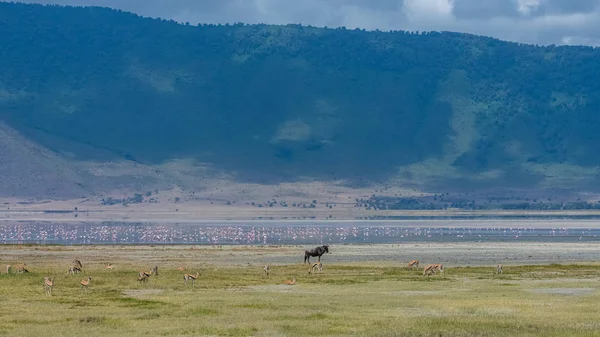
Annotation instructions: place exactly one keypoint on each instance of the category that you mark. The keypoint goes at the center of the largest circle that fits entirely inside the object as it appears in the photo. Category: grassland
(233, 296)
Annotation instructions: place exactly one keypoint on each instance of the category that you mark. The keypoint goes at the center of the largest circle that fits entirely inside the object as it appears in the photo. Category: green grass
(361, 300)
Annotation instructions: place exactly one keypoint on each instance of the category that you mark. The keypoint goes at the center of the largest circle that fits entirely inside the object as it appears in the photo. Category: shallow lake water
(307, 232)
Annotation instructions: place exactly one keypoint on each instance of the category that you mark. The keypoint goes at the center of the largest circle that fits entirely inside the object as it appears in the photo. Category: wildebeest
(315, 252)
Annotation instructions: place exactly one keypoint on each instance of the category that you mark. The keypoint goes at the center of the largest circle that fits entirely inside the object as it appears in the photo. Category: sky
(544, 22)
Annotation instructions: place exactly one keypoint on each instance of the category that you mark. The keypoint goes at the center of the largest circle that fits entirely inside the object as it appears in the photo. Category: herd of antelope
(77, 267)
(143, 276)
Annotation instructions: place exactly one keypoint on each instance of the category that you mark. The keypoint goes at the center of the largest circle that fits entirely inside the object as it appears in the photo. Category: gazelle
(144, 274)
(318, 265)
(431, 269)
(413, 263)
(109, 266)
(155, 271)
(499, 269)
(291, 283)
(188, 277)
(266, 269)
(181, 268)
(143, 278)
(48, 284)
(86, 282)
(74, 270)
(21, 269)
(77, 263)
(8, 267)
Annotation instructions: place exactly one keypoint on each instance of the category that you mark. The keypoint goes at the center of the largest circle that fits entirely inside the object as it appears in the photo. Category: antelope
(266, 269)
(499, 269)
(187, 277)
(48, 284)
(428, 270)
(77, 263)
(143, 278)
(21, 269)
(85, 283)
(8, 266)
(431, 269)
(154, 271)
(413, 263)
(109, 266)
(291, 283)
(318, 265)
(181, 268)
(73, 270)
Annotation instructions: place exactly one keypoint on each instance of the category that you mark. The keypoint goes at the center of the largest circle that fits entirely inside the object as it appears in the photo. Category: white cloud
(428, 9)
(525, 7)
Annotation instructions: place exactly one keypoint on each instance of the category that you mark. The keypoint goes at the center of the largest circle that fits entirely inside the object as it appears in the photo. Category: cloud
(528, 21)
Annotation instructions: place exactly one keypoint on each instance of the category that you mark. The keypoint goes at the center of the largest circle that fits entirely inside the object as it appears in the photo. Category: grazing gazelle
(77, 263)
(431, 269)
(413, 263)
(48, 284)
(428, 270)
(188, 277)
(266, 269)
(499, 269)
(318, 265)
(85, 283)
(145, 273)
(74, 270)
(143, 278)
(291, 283)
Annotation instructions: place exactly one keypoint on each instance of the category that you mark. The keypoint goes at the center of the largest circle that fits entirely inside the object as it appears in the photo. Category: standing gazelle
(48, 284)
(85, 283)
(499, 269)
(188, 277)
(413, 263)
(266, 269)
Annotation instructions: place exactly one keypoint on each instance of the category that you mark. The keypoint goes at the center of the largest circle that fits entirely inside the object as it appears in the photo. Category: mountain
(91, 86)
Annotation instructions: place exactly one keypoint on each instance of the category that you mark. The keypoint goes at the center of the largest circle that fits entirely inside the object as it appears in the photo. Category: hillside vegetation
(279, 103)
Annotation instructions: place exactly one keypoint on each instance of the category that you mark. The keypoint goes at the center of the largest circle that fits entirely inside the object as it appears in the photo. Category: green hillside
(275, 103)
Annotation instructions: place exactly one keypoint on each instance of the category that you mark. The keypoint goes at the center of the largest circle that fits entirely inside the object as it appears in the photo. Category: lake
(298, 232)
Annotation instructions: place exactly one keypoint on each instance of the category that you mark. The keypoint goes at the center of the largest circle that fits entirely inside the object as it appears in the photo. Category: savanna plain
(546, 289)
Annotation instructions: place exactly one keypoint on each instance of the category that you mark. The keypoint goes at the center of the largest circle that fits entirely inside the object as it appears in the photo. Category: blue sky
(529, 21)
